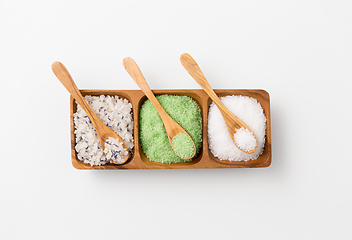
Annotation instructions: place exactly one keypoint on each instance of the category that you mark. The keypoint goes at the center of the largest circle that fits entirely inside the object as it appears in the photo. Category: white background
(298, 51)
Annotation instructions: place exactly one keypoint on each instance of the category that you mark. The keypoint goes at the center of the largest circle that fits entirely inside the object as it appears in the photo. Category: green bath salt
(183, 145)
(153, 138)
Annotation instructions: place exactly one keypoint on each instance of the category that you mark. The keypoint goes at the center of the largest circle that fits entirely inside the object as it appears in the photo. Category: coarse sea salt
(244, 139)
(114, 112)
(220, 142)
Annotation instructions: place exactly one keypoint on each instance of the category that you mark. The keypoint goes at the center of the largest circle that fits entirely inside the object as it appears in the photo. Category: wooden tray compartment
(205, 158)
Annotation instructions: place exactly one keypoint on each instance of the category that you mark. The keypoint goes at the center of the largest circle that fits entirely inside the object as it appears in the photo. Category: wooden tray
(205, 158)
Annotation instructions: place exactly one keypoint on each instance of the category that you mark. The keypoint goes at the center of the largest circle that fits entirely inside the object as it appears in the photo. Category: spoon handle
(194, 70)
(65, 78)
(136, 74)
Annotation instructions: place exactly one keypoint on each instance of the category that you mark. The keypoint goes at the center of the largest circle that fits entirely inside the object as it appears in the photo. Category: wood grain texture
(205, 159)
(102, 130)
(171, 126)
(232, 122)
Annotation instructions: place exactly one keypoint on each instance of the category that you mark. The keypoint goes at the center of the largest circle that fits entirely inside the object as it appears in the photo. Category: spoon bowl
(173, 129)
(103, 132)
(233, 123)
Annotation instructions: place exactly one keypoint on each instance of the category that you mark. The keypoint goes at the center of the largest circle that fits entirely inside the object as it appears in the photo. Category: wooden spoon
(172, 128)
(102, 130)
(232, 122)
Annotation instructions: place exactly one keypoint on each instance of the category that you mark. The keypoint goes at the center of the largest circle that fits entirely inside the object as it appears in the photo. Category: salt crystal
(220, 142)
(244, 139)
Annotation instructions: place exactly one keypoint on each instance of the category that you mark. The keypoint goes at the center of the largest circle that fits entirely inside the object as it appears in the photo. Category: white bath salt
(114, 112)
(115, 151)
(220, 142)
(245, 139)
